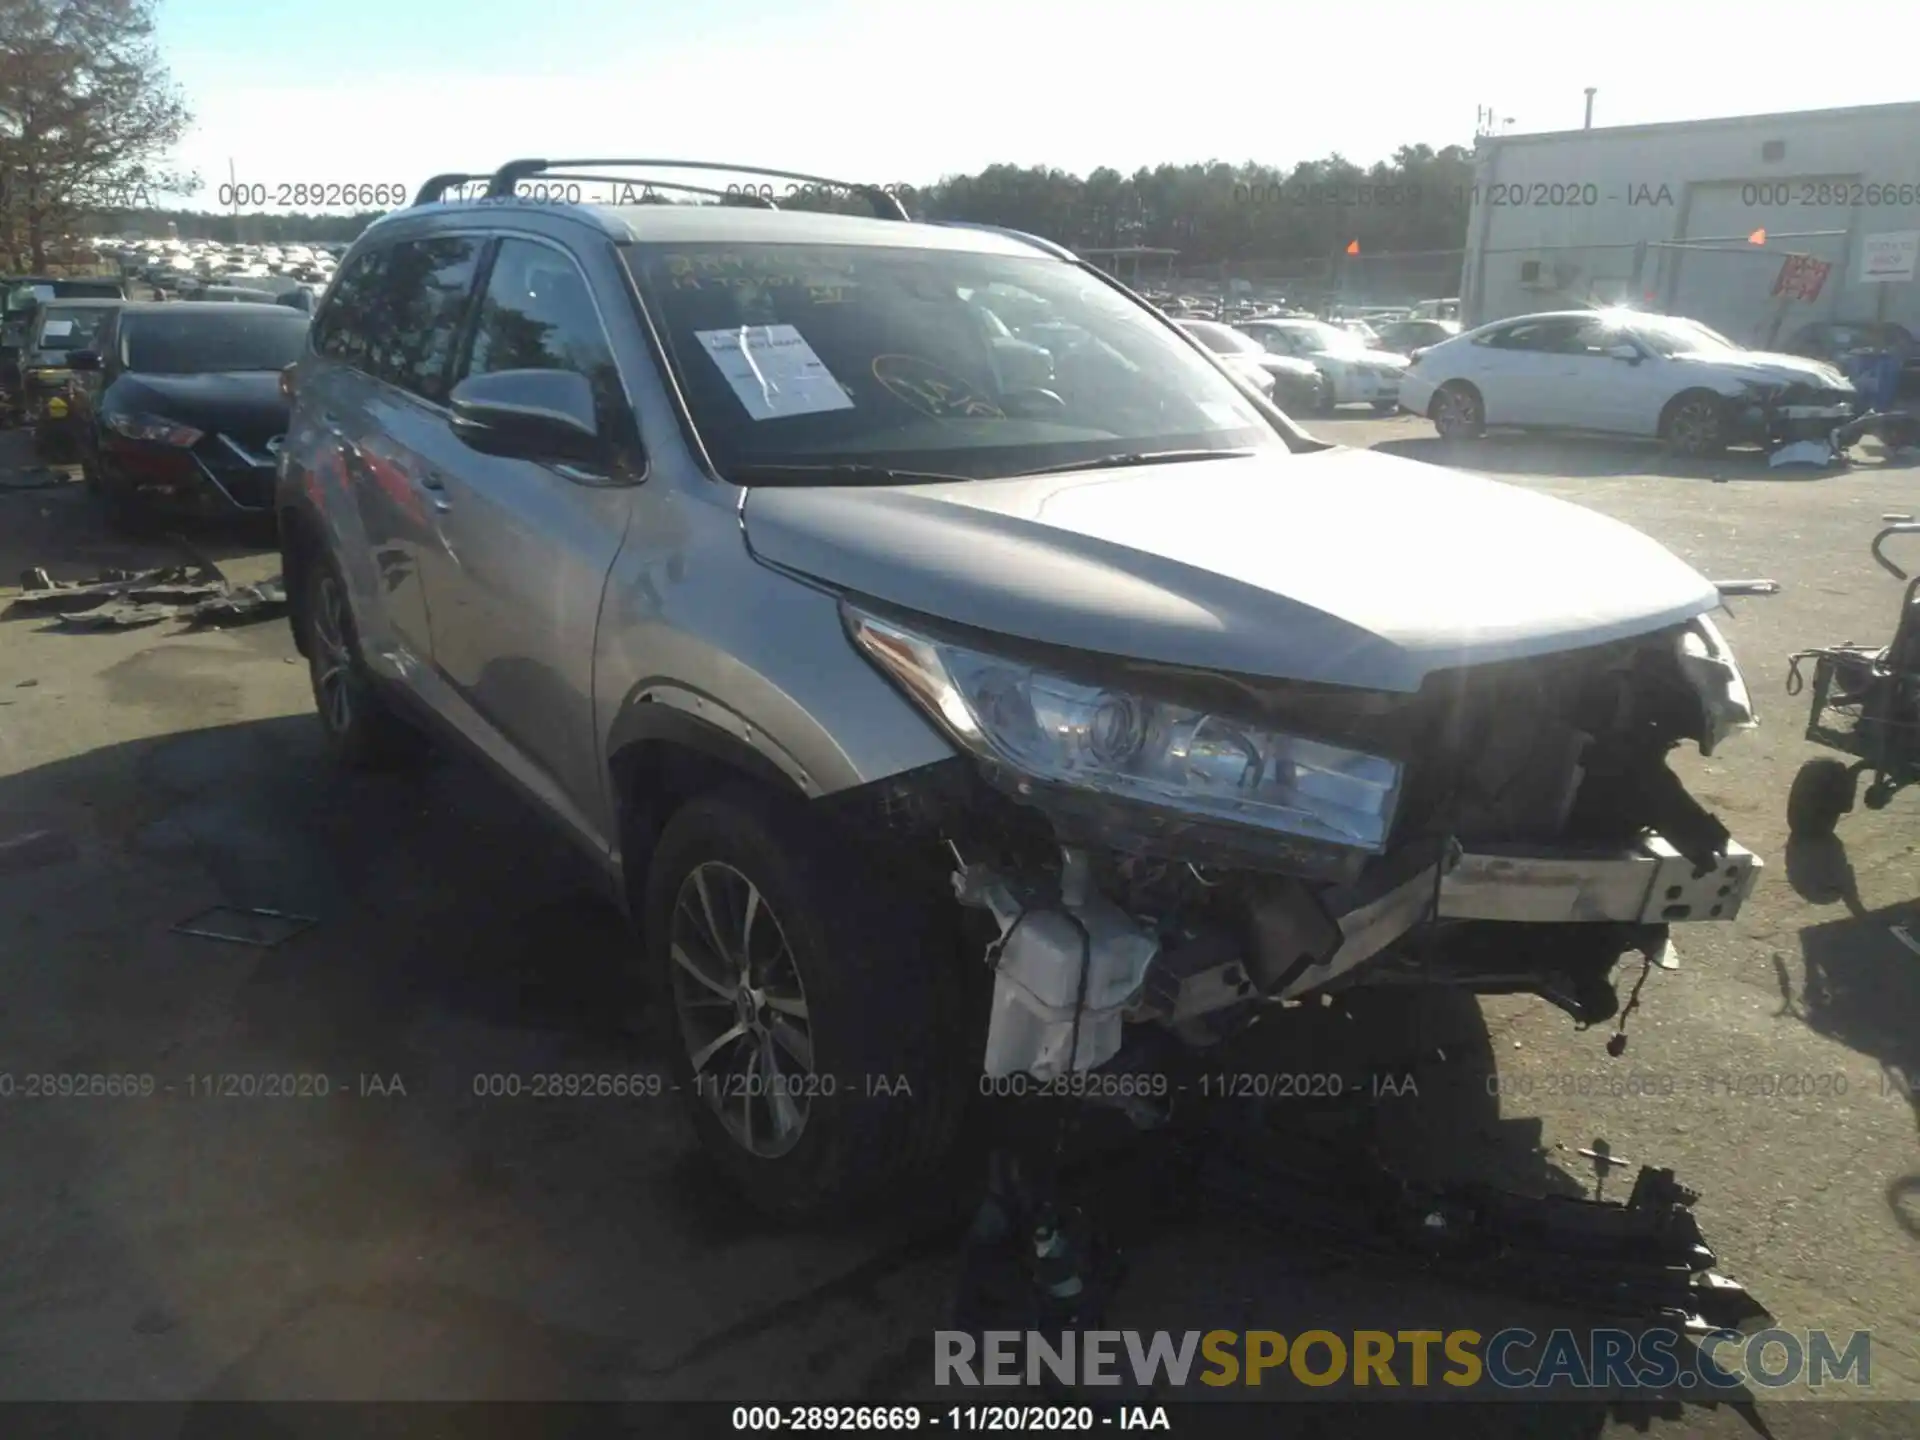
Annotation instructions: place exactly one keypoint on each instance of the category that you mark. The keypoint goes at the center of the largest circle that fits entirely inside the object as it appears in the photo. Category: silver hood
(1338, 566)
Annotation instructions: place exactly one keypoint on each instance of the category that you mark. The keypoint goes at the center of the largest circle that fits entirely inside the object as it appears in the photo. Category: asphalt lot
(404, 1238)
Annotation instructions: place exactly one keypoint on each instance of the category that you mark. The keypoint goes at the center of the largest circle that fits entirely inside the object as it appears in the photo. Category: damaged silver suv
(949, 698)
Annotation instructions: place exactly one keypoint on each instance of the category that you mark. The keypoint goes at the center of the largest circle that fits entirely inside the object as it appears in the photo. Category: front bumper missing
(1068, 975)
(1783, 424)
(1648, 884)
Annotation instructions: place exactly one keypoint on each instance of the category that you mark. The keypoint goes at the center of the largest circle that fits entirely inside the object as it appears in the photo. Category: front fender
(701, 631)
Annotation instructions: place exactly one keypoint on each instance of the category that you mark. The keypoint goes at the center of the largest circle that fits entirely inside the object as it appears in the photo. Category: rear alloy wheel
(1697, 426)
(361, 731)
(1457, 412)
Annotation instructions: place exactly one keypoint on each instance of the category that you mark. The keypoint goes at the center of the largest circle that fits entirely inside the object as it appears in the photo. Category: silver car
(934, 724)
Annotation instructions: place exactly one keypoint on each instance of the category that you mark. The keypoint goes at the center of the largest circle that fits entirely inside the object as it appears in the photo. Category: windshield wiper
(758, 474)
(1144, 457)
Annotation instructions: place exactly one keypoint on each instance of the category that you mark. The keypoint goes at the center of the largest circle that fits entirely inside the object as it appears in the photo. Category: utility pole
(1591, 92)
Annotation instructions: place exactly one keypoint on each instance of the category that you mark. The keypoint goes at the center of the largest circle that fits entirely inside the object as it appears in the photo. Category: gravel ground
(432, 1244)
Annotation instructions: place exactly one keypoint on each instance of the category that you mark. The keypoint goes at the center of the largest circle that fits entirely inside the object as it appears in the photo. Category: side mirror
(85, 360)
(1628, 353)
(528, 415)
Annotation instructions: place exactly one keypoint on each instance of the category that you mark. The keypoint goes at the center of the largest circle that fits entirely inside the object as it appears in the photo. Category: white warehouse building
(1668, 218)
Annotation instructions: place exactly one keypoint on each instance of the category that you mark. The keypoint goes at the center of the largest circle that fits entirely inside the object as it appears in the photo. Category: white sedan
(1622, 372)
(1355, 373)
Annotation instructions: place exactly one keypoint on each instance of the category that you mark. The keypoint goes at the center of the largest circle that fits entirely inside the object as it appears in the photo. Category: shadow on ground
(1860, 984)
(439, 1241)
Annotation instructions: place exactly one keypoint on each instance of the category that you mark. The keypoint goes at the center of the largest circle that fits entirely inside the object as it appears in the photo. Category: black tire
(1458, 412)
(1695, 425)
(1822, 792)
(361, 730)
(873, 973)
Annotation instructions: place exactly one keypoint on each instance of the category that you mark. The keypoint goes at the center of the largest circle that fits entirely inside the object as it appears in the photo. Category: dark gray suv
(940, 717)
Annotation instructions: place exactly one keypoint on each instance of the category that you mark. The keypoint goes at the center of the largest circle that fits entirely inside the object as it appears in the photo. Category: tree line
(89, 117)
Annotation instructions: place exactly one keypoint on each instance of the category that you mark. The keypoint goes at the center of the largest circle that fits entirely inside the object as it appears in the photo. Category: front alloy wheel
(742, 1009)
(1697, 428)
(820, 1046)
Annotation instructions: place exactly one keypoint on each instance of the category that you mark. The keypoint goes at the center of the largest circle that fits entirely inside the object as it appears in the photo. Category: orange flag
(1758, 237)
(1353, 248)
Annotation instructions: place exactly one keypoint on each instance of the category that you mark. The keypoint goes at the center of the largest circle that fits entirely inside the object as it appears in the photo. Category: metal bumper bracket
(1651, 884)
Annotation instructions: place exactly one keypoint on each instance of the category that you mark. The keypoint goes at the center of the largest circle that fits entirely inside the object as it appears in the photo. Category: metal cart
(1866, 705)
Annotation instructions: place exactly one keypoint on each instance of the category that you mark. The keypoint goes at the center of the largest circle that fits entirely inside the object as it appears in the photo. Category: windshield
(1666, 337)
(70, 328)
(190, 341)
(874, 356)
(1222, 339)
(1328, 339)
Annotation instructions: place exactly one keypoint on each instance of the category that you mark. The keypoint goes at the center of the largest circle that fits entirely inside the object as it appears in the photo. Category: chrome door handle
(433, 484)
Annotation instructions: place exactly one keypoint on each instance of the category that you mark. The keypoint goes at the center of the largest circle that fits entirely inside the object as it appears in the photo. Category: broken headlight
(1707, 661)
(1135, 748)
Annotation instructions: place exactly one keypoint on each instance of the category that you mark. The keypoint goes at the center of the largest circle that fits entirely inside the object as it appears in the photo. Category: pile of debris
(131, 599)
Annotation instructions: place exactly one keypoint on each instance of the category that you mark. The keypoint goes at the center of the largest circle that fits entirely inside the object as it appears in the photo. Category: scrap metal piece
(245, 926)
(1645, 1258)
(1905, 937)
(1819, 453)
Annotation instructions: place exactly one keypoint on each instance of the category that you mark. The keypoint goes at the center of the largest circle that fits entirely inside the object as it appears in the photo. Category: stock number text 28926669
(324, 194)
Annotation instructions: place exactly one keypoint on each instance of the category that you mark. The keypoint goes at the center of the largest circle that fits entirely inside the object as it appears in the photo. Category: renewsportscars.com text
(1511, 1359)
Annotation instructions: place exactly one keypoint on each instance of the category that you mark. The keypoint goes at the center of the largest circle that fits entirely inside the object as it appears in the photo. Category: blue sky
(385, 91)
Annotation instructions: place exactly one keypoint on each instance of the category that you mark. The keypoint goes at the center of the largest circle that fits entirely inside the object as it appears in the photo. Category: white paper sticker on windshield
(1225, 416)
(774, 371)
(57, 329)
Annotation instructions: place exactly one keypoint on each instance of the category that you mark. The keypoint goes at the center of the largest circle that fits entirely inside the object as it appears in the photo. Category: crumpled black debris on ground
(131, 599)
(37, 477)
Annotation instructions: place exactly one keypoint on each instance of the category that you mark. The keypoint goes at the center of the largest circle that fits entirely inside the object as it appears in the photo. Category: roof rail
(736, 197)
(435, 190)
(886, 205)
(1058, 251)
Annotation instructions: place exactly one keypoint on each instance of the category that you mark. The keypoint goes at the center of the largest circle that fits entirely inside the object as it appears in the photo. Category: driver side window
(1593, 338)
(538, 314)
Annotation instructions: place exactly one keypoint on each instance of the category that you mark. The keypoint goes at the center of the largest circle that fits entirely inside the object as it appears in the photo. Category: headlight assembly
(1707, 661)
(1180, 761)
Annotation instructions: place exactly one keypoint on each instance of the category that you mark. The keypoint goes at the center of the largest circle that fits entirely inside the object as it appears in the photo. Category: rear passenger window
(538, 314)
(344, 326)
(427, 283)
